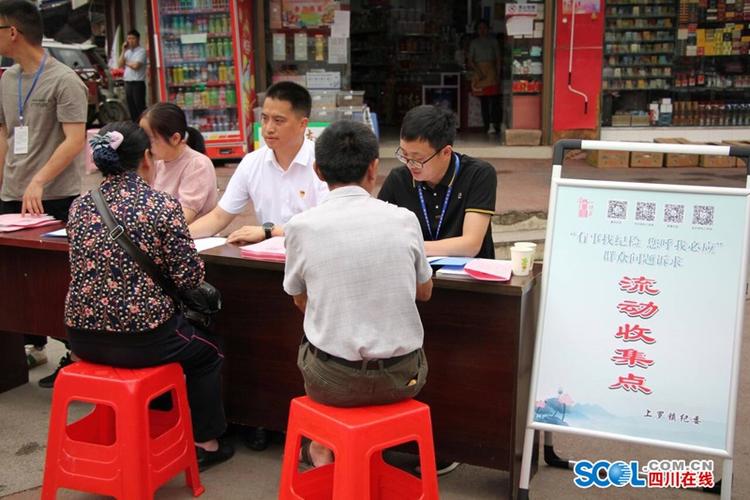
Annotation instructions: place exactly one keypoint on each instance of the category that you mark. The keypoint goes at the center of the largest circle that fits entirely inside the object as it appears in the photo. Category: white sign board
(642, 313)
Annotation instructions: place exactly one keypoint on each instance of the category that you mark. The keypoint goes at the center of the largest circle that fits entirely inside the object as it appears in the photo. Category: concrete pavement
(523, 192)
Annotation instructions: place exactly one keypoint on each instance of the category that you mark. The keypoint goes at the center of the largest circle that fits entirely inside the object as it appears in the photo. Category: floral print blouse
(108, 290)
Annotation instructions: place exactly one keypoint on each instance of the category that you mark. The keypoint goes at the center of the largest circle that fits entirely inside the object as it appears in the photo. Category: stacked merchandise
(688, 56)
(199, 56)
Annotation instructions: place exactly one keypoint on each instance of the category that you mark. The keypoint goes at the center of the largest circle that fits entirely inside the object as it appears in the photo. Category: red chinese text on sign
(634, 309)
(631, 383)
(638, 285)
(631, 358)
(634, 333)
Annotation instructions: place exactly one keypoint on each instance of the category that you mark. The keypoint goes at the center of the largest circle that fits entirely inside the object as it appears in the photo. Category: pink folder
(489, 269)
(16, 222)
(271, 249)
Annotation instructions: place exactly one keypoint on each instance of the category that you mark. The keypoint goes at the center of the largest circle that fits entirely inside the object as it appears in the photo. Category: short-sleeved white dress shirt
(277, 194)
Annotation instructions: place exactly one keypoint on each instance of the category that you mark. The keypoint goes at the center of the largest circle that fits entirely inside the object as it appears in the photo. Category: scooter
(111, 108)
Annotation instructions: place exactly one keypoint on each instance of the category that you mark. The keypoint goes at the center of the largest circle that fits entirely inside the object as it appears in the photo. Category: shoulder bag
(198, 305)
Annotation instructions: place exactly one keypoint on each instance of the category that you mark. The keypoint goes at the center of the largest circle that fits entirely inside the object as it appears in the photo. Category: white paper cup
(521, 260)
(528, 245)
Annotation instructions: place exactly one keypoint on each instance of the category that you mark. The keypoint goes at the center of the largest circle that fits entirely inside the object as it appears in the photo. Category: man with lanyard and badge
(453, 195)
(43, 108)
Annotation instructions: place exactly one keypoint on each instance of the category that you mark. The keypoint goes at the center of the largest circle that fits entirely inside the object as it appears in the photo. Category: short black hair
(25, 16)
(430, 123)
(294, 94)
(344, 151)
(128, 155)
(134, 33)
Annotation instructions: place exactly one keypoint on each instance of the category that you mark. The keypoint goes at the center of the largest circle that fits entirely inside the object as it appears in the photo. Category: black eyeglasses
(5, 27)
(409, 162)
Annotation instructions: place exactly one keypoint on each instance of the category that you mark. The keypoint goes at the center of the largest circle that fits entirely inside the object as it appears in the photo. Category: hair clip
(111, 139)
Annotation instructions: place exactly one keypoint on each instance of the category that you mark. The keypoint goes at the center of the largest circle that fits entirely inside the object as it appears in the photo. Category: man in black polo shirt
(453, 195)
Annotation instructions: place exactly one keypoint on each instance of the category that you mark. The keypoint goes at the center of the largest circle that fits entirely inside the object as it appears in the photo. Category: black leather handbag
(198, 305)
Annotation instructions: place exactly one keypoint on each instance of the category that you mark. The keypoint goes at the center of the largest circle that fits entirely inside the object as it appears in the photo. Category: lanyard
(22, 106)
(420, 191)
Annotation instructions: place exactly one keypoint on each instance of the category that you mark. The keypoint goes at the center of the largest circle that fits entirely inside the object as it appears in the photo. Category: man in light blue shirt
(133, 58)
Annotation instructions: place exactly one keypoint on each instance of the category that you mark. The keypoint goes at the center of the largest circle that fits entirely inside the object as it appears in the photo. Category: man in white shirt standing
(278, 178)
(355, 266)
(133, 58)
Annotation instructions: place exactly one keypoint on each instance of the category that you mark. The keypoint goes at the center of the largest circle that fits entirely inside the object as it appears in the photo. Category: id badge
(21, 140)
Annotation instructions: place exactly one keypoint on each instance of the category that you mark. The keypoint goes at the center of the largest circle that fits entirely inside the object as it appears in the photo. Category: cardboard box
(620, 120)
(323, 98)
(522, 137)
(608, 159)
(639, 121)
(673, 160)
(713, 161)
(350, 98)
(639, 159)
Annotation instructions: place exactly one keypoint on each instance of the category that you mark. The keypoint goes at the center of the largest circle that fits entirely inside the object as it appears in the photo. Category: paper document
(60, 233)
(489, 269)
(451, 271)
(451, 261)
(271, 249)
(16, 222)
(202, 244)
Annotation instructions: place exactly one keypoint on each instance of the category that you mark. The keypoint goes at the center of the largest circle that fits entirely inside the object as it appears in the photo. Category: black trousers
(490, 111)
(135, 93)
(57, 209)
(177, 341)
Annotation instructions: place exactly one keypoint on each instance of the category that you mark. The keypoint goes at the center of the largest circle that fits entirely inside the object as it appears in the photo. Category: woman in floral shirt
(115, 313)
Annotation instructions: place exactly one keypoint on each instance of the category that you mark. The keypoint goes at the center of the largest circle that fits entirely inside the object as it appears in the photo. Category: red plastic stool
(357, 437)
(121, 448)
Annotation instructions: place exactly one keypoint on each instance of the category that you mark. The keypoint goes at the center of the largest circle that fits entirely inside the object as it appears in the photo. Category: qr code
(617, 209)
(703, 215)
(645, 211)
(674, 214)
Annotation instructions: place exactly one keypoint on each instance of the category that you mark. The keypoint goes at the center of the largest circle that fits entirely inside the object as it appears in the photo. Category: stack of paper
(16, 222)
(271, 250)
(481, 269)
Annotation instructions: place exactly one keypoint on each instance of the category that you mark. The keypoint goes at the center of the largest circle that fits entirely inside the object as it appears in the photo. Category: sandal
(304, 453)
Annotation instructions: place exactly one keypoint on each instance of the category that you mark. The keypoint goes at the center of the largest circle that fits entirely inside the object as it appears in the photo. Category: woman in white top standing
(181, 171)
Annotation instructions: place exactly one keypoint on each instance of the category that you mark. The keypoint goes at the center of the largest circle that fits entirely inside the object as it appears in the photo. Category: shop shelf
(648, 16)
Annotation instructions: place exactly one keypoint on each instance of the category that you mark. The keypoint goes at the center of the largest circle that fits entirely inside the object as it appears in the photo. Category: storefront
(396, 55)
(676, 69)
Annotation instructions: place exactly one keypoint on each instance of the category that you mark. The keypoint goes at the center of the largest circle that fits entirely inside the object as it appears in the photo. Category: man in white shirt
(355, 266)
(133, 58)
(278, 178)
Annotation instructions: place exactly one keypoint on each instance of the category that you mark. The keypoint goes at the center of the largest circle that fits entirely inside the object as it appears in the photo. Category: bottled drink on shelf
(222, 98)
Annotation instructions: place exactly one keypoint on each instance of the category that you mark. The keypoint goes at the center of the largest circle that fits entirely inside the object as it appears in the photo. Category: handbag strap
(117, 234)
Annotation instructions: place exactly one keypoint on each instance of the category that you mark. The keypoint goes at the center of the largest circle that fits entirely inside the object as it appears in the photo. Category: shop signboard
(643, 286)
(641, 316)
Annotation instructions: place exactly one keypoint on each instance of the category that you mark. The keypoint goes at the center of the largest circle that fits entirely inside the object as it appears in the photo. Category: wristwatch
(268, 228)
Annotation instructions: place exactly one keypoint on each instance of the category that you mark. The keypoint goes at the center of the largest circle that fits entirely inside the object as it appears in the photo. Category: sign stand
(635, 275)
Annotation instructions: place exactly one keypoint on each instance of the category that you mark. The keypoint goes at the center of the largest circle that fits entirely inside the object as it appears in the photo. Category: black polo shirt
(474, 190)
